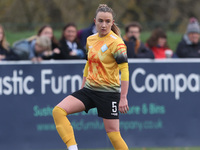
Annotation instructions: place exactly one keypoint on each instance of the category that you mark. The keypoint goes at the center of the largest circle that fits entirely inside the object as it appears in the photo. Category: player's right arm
(85, 74)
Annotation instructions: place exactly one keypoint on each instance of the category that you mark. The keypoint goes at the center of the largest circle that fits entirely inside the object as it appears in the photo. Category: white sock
(73, 147)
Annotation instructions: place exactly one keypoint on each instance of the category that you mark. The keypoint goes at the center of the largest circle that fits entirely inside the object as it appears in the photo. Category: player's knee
(57, 111)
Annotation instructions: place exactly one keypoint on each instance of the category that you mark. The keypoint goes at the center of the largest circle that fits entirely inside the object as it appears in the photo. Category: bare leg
(71, 105)
(111, 125)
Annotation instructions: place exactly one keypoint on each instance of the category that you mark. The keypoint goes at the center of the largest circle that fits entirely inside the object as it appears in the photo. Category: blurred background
(28, 16)
(25, 14)
(23, 18)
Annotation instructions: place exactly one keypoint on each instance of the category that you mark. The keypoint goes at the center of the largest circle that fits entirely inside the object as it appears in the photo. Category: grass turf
(169, 148)
(172, 148)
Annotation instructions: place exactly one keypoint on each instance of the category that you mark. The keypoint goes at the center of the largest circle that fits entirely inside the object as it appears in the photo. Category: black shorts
(105, 102)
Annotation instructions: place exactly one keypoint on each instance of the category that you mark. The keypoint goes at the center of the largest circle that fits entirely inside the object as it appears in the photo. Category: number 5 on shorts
(114, 107)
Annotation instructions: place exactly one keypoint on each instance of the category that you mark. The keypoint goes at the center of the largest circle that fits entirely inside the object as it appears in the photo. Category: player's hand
(123, 105)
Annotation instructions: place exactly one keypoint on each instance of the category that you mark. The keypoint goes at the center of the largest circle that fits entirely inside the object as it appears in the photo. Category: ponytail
(116, 29)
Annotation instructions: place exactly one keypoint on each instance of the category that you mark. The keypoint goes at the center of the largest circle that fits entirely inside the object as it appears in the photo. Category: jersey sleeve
(124, 71)
(86, 50)
(85, 73)
(120, 52)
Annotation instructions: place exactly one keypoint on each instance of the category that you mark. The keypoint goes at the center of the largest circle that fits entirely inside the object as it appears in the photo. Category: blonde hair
(4, 42)
(44, 42)
(105, 8)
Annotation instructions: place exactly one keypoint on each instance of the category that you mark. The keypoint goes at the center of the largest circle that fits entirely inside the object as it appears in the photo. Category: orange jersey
(103, 55)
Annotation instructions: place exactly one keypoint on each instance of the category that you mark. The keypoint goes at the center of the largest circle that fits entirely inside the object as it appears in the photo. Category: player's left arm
(123, 103)
(120, 56)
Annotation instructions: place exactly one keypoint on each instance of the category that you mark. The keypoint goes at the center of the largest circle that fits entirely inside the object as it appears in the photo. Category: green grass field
(15, 36)
(173, 37)
(172, 148)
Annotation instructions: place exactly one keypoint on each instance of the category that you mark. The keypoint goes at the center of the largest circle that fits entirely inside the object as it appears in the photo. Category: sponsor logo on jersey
(104, 48)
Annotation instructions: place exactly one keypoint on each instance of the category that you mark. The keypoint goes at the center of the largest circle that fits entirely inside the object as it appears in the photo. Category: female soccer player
(106, 55)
